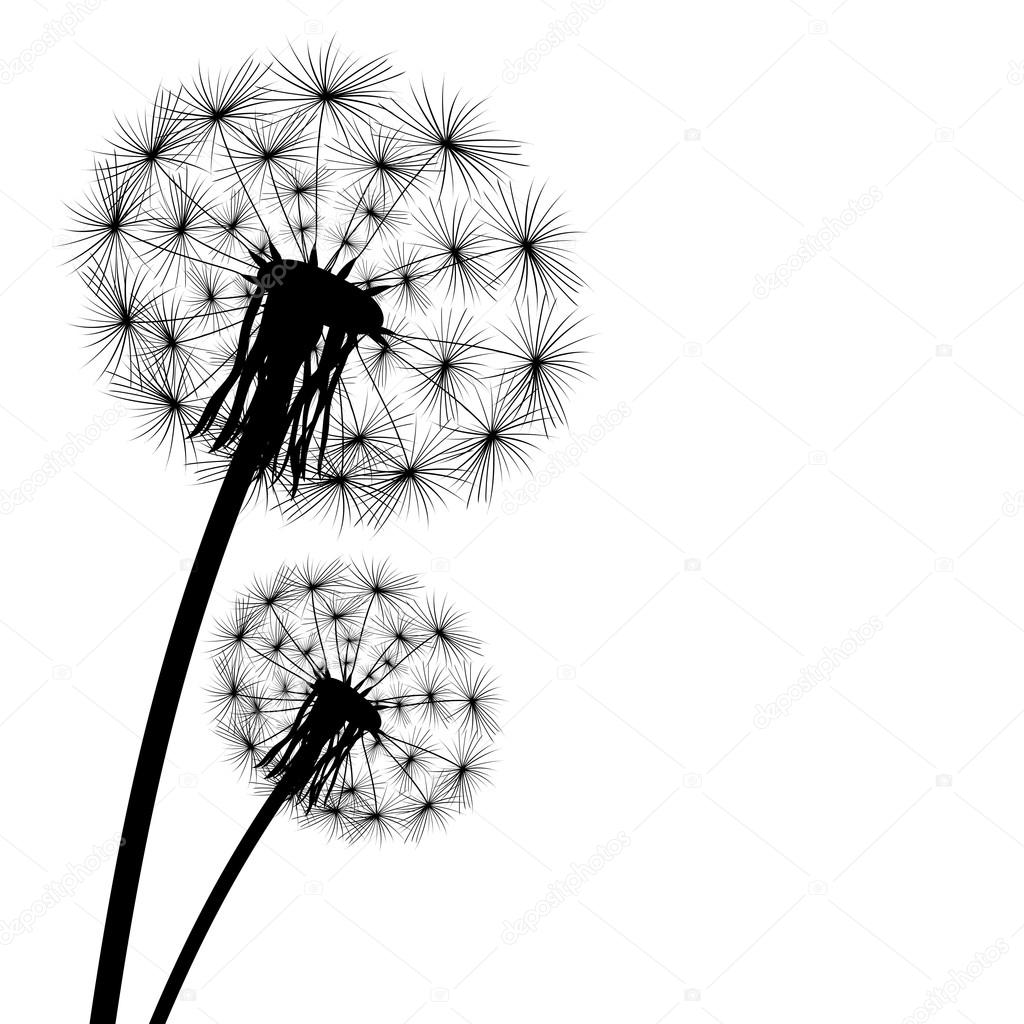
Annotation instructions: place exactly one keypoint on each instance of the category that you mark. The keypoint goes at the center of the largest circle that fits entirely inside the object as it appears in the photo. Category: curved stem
(269, 415)
(139, 814)
(215, 900)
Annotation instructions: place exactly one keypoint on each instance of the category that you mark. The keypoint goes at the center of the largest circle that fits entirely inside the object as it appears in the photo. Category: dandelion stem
(215, 900)
(267, 420)
(139, 814)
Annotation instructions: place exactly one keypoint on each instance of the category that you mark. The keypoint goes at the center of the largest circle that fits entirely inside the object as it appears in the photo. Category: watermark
(53, 32)
(559, 892)
(60, 459)
(819, 672)
(57, 891)
(816, 242)
(1013, 502)
(956, 982)
(565, 458)
(557, 33)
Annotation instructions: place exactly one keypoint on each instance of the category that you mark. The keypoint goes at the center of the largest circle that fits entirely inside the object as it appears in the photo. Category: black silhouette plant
(356, 702)
(327, 288)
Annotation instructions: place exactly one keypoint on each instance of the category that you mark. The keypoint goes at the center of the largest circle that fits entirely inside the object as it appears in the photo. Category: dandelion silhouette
(327, 288)
(356, 702)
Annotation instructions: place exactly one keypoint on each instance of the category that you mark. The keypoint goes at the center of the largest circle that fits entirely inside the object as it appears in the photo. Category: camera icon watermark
(1013, 502)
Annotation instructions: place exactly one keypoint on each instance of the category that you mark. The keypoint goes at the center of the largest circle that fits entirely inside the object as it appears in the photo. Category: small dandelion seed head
(358, 697)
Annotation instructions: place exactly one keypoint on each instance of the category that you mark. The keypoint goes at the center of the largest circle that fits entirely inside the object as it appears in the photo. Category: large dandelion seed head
(358, 696)
(402, 190)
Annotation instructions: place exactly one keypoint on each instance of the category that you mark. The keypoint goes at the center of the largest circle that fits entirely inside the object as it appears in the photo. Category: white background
(850, 446)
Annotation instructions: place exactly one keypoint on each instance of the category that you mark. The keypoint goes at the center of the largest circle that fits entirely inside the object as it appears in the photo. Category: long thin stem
(139, 814)
(268, 414)
(215, 900)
